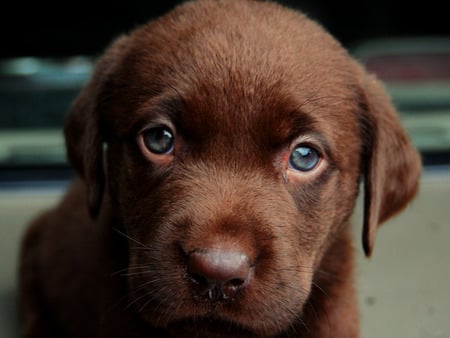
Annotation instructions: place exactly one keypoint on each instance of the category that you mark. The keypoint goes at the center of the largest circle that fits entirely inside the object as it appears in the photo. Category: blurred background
(47, 53)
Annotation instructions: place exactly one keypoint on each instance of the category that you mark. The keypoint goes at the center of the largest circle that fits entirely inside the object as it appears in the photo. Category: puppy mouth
(209, 326)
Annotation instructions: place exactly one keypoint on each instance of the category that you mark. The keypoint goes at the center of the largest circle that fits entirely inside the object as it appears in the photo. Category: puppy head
(235, 132)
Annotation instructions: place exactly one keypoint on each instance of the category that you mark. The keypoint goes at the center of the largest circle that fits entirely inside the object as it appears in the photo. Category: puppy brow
(293, 124)
(303, 123)
(169, 106)
(160, 108)
(301, 127)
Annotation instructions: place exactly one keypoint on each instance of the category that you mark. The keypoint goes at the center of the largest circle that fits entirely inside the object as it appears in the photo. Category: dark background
(47, 28)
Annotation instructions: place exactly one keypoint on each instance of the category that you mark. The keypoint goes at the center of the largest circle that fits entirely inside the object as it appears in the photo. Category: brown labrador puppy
(220, 151)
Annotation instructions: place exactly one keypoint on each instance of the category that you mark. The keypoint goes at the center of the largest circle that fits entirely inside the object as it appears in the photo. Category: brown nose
(218, 274)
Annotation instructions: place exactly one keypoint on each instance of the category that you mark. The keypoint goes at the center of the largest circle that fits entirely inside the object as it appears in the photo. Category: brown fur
(239, 82)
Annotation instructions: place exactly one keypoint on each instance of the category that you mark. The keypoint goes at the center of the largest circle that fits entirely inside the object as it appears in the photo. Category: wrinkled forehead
(234, 81)
(268, 113)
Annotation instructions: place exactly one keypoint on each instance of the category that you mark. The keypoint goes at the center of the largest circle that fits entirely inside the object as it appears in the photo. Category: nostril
(231, 287)
(199, 280)
(237, 282)
(218, 274)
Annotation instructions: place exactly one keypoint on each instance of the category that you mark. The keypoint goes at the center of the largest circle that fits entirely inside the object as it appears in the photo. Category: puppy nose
(219, 274)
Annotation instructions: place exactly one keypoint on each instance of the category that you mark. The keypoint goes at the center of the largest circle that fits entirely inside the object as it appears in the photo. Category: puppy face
(237, 134)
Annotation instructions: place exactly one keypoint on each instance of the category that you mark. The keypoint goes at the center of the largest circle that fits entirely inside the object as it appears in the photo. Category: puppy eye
(159, 140)
(304, 158)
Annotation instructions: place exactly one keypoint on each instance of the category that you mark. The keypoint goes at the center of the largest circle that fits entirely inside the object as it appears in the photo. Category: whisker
(150, 292)
(325, 313)
(131, 239)
(133, 267)
(115, 273)
(320, 289)
(139, 248)
(135, 300)
(147, 283)
(310, 269)
(136, 273)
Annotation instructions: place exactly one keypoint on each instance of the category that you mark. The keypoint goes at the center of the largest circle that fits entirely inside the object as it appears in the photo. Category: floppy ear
(392, 166)
(83, 126)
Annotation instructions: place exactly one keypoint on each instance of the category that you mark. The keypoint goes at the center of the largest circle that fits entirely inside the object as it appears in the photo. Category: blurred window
(416, 72)
(35, 95)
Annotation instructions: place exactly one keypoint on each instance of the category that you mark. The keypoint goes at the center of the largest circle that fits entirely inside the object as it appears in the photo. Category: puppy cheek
(310, 220)
(322, 211)
(131, 181)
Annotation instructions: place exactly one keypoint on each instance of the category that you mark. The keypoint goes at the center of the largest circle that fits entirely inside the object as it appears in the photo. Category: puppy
(219, 149)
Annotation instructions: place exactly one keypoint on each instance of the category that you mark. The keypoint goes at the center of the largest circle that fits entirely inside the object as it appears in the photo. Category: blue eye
(159, 140)
(304, 158)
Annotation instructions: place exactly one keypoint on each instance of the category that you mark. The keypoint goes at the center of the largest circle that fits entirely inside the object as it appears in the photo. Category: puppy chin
(190, 317)
(209, 327)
